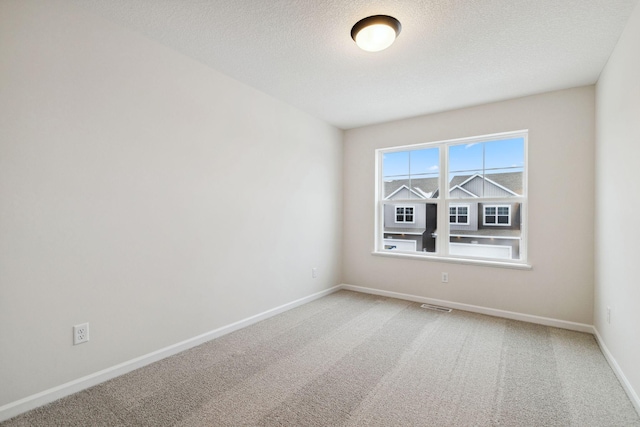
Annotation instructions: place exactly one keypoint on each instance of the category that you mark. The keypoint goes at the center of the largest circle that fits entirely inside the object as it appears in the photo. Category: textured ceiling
(450, 54)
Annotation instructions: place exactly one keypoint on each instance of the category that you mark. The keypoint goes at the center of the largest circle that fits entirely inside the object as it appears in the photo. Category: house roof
(417, 191)
(425, 186)
(509, 180)
(512, 181)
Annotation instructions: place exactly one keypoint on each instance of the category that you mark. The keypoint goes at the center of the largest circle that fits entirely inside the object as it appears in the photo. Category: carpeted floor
(352, 359)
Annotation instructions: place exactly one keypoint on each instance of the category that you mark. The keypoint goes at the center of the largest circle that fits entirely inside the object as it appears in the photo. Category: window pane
(395, 164)
(424, 170)
(485, 247)
(411, 174)
(504, 165)
(487, 169)
(417, 236)
(503, 220)
(396, 188)
(424, 186)
(424, 161)
(478, 240)
(462, 219)
(504, 154)
(465, 162)
(465, 158)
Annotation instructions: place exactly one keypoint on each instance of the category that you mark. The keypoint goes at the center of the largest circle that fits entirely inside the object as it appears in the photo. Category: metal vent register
(436, 308)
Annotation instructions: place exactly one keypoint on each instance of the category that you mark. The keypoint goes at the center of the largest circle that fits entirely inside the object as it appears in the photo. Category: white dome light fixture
(376, 33)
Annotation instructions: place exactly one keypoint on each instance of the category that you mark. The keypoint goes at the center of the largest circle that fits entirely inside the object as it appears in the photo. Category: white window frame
(496, 224)
(457, 214)
(404, 215)
(444, 201)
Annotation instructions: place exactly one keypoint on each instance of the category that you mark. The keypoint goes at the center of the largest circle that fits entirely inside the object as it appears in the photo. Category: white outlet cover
(80, 333)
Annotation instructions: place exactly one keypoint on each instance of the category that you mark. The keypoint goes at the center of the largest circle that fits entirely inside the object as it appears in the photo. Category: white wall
(146, 194)
(561, 206)
(617, 283)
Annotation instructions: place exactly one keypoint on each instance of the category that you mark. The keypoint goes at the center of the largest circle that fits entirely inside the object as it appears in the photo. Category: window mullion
(443, 206)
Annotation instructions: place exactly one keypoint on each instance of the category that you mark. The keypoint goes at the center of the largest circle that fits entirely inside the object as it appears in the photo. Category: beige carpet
(352, 359)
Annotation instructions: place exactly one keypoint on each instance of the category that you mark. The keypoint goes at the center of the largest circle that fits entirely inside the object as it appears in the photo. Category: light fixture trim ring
(376, 19)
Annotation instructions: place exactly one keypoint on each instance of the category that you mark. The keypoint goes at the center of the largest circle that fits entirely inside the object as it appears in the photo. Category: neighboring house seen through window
(461, 199)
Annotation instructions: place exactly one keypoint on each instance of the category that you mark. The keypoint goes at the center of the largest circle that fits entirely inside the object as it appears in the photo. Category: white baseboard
(12, 409)
(31, 402)
(564, 324)
(626, 385)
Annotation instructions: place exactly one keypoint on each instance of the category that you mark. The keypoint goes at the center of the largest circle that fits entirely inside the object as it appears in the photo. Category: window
(459, 214)
(497, 215)
(404, 214)
(478, 183)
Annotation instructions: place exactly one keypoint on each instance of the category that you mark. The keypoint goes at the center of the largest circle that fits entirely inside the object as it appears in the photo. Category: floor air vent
(436, 308)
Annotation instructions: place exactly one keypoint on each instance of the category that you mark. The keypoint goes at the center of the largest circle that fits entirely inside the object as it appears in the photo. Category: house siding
(515, 217)
(473, 218)
(420, 216)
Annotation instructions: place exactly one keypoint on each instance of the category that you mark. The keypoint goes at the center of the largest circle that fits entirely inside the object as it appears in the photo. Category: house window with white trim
(497, 215)
(404, 214)
(459, 214)
(478, 183)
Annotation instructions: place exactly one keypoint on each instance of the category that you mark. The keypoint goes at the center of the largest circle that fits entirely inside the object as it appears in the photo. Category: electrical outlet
(80, 333)
(314, 273)
(445, 277)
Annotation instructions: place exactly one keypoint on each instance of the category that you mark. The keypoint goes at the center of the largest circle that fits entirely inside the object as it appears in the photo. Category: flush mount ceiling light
(376, 33)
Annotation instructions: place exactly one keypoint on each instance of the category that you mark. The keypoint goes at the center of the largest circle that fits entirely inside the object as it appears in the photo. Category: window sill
(485, 263)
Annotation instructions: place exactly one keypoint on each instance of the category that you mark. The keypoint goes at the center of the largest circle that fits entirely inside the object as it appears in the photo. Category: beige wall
(617, 204)
(146, 194)
(561, 205)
